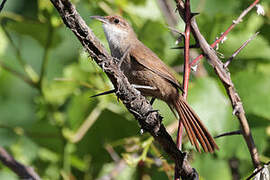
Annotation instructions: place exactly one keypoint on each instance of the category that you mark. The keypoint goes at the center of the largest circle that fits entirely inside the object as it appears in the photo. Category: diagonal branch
(225, 77)
(2, 4)
(237, 21)
(149, 120)
(21, 170)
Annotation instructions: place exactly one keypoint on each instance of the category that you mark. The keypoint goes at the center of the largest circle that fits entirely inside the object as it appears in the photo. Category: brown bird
(146, 72)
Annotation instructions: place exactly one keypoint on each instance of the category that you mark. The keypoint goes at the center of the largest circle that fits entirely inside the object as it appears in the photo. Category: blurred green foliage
(53, 125)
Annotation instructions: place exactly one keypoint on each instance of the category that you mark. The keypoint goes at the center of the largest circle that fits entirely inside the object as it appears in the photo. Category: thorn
(104, 93)
(238, 132)
(151, 111)
(194, 14)
(181, 47)
(152, 100)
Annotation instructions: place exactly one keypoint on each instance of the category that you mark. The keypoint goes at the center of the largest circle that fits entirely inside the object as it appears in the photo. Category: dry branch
(21, 170)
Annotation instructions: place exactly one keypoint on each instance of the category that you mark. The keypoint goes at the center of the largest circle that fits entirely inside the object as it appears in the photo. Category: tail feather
(208, 138)
(195, 127)
(189, 130)
(195, 130)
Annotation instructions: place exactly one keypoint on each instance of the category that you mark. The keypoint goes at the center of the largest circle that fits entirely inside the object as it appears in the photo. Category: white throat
(116, 38)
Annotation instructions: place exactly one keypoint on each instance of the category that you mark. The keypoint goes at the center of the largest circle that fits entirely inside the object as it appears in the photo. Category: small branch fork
(224, 75)
(21, 170)
(150, 120)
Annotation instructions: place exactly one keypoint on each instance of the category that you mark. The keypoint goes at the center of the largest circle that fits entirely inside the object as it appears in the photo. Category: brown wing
(150, 61)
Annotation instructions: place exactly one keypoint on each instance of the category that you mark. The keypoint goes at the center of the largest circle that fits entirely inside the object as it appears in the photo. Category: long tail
(195, 130)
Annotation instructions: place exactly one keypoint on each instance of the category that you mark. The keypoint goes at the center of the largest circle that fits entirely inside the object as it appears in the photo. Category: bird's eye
(116, 21)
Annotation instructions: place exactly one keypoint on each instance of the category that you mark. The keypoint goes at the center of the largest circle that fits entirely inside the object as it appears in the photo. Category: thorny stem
(186, 72)
(186, 49)
(239, 19)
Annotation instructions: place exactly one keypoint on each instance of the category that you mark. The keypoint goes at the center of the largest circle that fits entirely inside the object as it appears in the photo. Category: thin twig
(26, 67)
(19, 75)
(45, 58)
(17, 50)
(186, 73)
(226, 64)
(81, 83)
(167, 8)
(238, 132)
(239, 19)
(89, 121)
(21, 170)
(112, 153)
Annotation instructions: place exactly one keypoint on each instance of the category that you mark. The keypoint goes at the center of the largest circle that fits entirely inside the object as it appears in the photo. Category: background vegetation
(49, 121)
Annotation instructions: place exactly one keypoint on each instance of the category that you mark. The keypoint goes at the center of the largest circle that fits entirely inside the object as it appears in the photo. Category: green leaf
(204, 162)
(147, 11)
(109, 127)
(208, 100)
(47, 135)
(25, 151)
(35, 29)
(8, 174)
(126, 173)
(7, 137)
(254, 88)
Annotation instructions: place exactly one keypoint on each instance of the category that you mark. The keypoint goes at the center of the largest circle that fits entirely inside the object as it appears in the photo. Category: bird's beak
(100, 18)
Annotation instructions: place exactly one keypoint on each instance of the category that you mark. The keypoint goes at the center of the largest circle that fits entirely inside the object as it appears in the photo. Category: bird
(153, 78)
